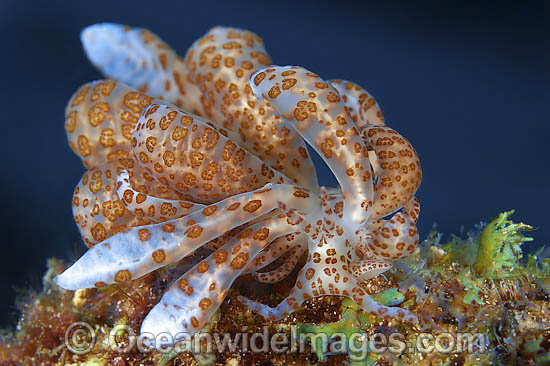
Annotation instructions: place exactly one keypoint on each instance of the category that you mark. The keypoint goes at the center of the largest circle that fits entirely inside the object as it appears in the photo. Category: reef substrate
(479, 284)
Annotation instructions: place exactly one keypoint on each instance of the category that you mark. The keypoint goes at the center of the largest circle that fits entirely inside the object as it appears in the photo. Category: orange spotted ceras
(209, 150)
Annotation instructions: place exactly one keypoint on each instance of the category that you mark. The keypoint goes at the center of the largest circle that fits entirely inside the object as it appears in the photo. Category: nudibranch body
(209, 150)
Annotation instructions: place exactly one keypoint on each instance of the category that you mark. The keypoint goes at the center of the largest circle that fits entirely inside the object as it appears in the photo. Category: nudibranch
(210, 150)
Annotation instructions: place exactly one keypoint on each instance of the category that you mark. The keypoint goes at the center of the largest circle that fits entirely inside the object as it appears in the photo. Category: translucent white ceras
(209, 150)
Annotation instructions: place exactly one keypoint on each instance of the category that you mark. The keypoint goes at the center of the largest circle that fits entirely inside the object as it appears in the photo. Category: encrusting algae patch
(203, 217)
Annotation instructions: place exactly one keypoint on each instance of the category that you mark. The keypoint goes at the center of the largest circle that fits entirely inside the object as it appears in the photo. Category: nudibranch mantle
(209, 150)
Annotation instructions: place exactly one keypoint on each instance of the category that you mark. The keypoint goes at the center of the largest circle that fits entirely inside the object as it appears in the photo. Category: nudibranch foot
(327, 271)
(352, 290)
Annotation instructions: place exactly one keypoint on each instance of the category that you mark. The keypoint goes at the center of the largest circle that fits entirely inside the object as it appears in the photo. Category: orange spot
(168, 228)
(205, 303)
(140, 198)
(184, 286)
(159, 256)
(274, 92)
(203, 267)
(194, 231)
(252, 206)
(309, 273)
(257, 79)
(97, 113)
(301, 194)
(207, 211)
(144, 234)
(220, 256)
(239, 261)
(123, 275)
(261, 234)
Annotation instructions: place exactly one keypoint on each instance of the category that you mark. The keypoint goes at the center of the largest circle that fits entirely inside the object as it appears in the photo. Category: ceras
(209, 150)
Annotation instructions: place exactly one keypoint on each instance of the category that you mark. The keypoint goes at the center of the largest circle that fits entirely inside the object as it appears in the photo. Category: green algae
(500, 247)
